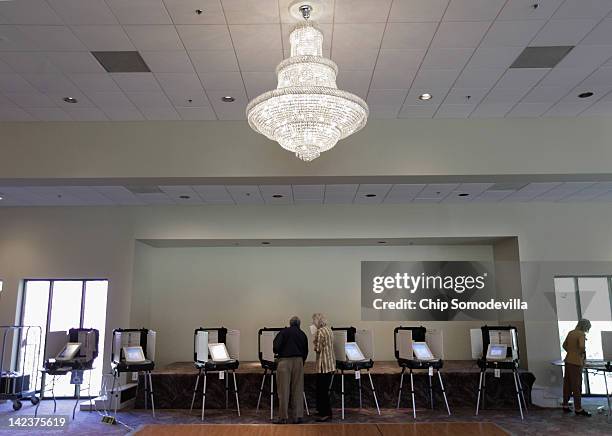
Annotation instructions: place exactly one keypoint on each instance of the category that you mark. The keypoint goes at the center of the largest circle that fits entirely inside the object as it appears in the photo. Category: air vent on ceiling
(541, 57)
(121, 61)
(144, 189)
(507, 186)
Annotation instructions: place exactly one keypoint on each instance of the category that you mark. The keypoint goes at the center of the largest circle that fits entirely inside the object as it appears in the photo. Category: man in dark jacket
(291, 350)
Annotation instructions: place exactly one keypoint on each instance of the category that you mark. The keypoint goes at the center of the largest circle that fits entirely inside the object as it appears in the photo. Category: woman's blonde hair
(583, 325)
(318, 319)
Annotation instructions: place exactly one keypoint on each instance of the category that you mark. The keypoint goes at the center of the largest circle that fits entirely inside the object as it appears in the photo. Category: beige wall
(100, 242)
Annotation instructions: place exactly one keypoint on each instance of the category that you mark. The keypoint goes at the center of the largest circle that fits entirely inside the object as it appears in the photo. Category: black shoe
(280, 421)
(583, 413)
(298, 421)
(324, 419)
(566, 409)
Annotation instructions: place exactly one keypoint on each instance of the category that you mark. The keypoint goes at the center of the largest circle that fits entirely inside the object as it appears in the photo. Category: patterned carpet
(537, 422)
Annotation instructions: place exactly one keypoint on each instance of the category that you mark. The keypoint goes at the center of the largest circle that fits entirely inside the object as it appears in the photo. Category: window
(585, 297)
(57, 305)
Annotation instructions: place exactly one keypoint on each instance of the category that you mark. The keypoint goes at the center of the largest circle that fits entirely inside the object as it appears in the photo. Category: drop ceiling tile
(208, 61)
(259, 60)
(340, 193)
(478, 77)
(403, 193)
(572, 9)
(356, 82)
(565, 77)
(512, 33)
(204, 113)
(27, 62)
(400, 59)
(448, 58)
(494, 57)
(491, 110)
(417, 10)
(221, 80)
(563, 190)
(256, 37)
(184, 11)
(251, 12)
(598, 91)
(386, 97)
(205, 37)
(168, 61)
(350, 36)
(408, 35)
(189, 98)
(182, 194)
(437, 97)
(361, 11)
(601, 77)
(459, 34)
(532, 190)
(13, 39)
(6, 103)
(371, 193)
(381, 112)
(347, 60)
(435, 78)
(244, 194)
(83, 11)
(53, 38)
(600, 35)
(229, 110)
(417, 111)
(307, 193)
(29, 12)
(528, 110)
(155, 198)
(473, 10)
(110, 100)
(75, 62)
(258, 83)
(492, 196)
(271, 193)
(586, 56)
(437, 190)
(505, 95)
(4, 67)
(49, 114)
(119, 195)
(546, 94)
(154, 37)
(521, 77)
(15, 114)
(87, 195)
(180, 83)
(124, 113)
(214, 194)
(454, 110)
(564, 109)
(136, 82)
(47, 83)
(103, 38)
(465, 96)
(86, 114)
(392, 79)
(140, 11)
(563, 32)
(30, 100)
(600, 108)
(11, 82)
(524, 10)
(99, 82)
(145, 100)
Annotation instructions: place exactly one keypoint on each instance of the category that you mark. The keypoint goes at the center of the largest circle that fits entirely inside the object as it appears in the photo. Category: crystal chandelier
(307, 113)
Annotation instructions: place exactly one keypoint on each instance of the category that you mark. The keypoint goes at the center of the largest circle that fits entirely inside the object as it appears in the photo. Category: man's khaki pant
(290, 381)
(572, 385)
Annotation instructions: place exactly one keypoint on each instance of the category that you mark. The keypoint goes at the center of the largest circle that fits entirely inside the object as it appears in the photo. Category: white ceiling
(388, 51)
(308, 194)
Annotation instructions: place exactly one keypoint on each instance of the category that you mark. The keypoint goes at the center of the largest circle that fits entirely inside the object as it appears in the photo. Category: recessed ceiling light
(585, 95)
(277, 196)
(199, 11)
(1, 198)
(265, 243)
(70, 100)
(425, 96)
(463, 194)
(184, 197)
(370, 195)
(228, 99)
(382, 242)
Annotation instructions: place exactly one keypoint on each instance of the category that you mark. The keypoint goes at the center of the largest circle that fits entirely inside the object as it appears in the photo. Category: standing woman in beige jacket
(575, 347)
(325, 364)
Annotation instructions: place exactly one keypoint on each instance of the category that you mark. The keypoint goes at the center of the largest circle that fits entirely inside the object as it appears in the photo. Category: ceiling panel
(340, 194)
(276, 194)
(214, 194)
(243, 194)
(305, 194)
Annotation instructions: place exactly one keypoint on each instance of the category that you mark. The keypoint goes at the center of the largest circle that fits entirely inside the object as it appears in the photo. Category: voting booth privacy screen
(360, 343)
(218, 344)
(419, 343)
(143, 338)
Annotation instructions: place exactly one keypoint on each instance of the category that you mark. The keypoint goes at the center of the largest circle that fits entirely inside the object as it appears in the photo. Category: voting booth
(354, 350)
(267, 359)
(216, 350)
(416, 348)
(69, 352)
(496, 349)
(133, 350)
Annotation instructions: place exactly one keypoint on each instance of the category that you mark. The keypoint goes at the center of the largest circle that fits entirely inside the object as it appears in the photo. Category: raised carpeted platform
(174, 384)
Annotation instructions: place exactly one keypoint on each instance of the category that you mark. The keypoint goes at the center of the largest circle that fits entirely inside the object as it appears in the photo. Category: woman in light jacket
(325, 364)
(574, 345)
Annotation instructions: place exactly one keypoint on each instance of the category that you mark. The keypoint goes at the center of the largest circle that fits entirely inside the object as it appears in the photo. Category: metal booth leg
(195, 390)
(271, 395)
(399, 397)
(484, 388)
(342, 390)
(443, 392)
(226, 389)
(146, 390)
(431, 402)
(479, 392)
(373, 391)
(518, 395)
(306, 404)
(412, 394)
(605, 375)
(78, 398)
(520, 385)
(236, 391)
(204, 396)
(261, 388)
(53, 394)
(360, 395)
(151, 392)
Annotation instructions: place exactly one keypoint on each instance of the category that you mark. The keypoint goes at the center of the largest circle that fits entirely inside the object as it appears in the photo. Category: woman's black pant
(323, 404)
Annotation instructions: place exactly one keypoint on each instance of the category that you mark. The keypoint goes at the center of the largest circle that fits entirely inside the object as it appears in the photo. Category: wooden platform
(420, 429)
